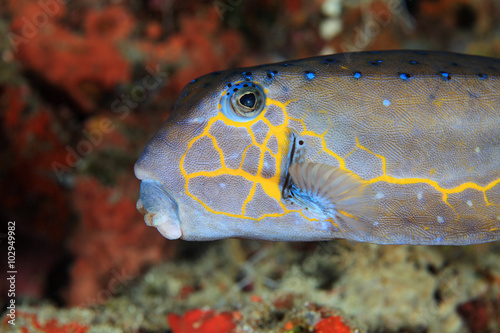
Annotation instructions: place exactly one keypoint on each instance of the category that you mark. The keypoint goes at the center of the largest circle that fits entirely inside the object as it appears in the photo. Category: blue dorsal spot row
(247, 75)
(357, 75)
(413, 62)
(375, 62)
(193, 80)
(445, 75)
(482, 76)
(286, 64)
(404, 76)
(310, 75)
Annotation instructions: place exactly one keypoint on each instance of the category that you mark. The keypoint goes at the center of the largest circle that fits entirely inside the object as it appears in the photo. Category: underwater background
(85, 84)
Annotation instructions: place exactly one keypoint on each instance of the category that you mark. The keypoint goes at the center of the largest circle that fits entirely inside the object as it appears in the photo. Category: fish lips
(160, 210)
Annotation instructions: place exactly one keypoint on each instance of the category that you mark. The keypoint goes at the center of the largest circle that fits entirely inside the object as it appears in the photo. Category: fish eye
(248, 100)
(243, 102)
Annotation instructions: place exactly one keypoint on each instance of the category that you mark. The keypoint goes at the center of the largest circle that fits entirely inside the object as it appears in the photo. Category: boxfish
(387, 147)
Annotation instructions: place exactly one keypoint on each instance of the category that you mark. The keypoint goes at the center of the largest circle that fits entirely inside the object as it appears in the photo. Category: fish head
(216, 167)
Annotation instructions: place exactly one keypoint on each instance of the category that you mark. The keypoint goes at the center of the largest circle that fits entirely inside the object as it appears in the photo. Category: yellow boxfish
(389, 147)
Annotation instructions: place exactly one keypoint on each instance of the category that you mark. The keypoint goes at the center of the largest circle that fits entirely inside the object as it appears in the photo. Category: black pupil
(248, 100)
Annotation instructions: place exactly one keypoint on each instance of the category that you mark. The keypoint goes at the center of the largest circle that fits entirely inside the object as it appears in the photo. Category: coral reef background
(84, 84)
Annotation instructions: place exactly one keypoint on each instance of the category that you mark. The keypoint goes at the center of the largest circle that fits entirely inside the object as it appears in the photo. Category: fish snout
(160, 210)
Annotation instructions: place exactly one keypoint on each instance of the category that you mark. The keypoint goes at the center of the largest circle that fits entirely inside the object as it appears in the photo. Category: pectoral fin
(334, 192)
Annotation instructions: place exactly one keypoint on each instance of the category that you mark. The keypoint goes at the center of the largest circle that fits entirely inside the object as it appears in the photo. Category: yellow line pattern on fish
(270, 186)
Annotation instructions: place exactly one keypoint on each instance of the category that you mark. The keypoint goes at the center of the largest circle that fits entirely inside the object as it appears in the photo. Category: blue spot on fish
(446, 76)
(375, 62)
(271, 74)
(310, 75)
(357, 75)
(404, 76)
(413, 62)
(482, 76)
(386, 102)
(330, 61)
